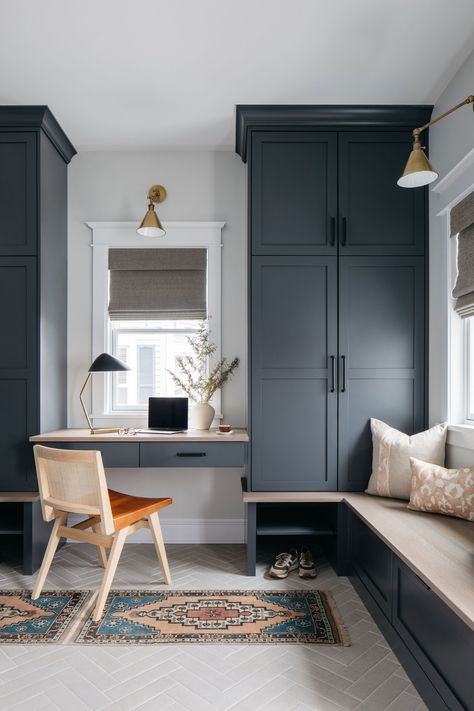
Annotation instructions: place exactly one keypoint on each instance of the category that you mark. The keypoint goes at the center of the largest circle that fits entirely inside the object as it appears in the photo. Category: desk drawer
(114, 454)
(192, 454)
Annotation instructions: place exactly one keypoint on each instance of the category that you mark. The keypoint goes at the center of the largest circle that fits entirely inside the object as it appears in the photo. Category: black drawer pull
(191, 454)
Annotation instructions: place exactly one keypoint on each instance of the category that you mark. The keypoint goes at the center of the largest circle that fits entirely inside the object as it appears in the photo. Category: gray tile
(202, 678)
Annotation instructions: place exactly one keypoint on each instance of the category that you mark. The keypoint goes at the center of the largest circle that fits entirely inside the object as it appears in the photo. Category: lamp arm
(82, 401)
(468, 100)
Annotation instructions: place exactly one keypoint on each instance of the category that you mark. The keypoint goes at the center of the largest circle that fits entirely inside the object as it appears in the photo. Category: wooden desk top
(76, 435)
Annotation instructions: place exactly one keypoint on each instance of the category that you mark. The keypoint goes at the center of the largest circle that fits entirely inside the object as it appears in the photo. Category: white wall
(453, 137)
(452, 155)
(201, 185)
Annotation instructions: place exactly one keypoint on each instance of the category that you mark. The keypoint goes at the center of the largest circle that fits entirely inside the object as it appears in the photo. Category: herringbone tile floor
(365, 676)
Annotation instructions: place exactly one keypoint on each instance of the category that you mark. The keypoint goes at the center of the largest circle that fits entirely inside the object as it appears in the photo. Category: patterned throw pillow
(444, 491)
(391, 471)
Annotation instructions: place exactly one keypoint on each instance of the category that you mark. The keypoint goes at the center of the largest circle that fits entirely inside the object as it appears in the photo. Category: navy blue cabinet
(18, 192)
(294, 192)
(381, 355)
(293, 364)
(337, 264)
(18, 371)
(376, 216)
(34, 153)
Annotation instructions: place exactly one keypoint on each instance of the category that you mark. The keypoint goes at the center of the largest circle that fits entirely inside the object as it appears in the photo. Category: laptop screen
(168, 413)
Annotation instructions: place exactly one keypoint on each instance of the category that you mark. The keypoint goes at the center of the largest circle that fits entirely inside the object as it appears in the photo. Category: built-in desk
(191, 449)
(194, 448)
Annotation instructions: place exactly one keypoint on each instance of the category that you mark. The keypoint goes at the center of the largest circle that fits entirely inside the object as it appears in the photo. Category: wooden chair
(74, 482)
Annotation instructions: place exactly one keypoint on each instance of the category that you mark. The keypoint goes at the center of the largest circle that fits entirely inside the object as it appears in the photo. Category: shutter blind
(158, 284)
(462, 224)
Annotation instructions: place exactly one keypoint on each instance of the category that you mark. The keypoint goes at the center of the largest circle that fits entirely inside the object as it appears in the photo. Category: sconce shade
(106, 363)
(418, 170)
(151, 225)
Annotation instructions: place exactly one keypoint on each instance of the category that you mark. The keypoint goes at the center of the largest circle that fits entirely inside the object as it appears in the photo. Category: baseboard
(192, 530)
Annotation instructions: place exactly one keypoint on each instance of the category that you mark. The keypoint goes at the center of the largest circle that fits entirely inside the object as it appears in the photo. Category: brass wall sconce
(151, 225)
(418, 170)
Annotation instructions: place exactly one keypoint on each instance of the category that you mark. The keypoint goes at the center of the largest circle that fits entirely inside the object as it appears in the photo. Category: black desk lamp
(105, 363)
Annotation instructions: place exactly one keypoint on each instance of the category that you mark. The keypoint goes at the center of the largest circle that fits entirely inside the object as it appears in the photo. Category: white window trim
(106, 235)
(447, 341)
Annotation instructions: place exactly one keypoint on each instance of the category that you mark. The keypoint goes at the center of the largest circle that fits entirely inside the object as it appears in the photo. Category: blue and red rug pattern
(41, 621)
(216, 617)
(173, 616)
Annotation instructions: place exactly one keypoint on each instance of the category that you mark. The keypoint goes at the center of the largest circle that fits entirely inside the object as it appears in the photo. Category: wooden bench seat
(439, 549)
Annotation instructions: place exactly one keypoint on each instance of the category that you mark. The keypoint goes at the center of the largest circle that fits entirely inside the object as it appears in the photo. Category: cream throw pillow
(444, 491)
(391, 471)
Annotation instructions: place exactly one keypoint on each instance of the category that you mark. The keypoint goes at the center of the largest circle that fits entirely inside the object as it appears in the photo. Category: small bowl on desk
(224, 429)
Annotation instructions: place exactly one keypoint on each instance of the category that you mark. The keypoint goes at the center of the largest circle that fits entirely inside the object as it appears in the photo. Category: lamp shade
(418, 170)
(106, 363)
(151, 225)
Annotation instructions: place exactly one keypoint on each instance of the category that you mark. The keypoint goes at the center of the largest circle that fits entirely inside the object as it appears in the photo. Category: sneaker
(284, 563)
(307, 568)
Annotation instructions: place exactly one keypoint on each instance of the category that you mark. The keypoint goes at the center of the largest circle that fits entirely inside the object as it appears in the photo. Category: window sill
(461, 435)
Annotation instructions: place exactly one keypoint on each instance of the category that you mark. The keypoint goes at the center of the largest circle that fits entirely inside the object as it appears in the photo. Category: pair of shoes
(285, 562)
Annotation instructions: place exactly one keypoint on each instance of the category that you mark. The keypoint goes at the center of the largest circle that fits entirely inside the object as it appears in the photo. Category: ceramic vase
(202, 415)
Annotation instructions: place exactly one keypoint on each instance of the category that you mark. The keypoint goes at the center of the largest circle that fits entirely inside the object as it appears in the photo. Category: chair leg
(115, 551)
(48, 556)
(155, 529)
(100, 549)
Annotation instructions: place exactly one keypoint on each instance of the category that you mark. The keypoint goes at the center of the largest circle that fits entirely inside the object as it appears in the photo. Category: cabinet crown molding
(250, 117)
(37, 118)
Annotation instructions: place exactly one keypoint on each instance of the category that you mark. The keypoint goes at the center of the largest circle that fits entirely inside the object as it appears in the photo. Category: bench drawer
(114, 454)
(192, 454)
(372, 561)
(442, 644)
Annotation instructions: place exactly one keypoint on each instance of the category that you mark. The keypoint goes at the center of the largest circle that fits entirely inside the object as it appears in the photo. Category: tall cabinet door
(293, 192)
(381, 362)
(18, 368)
(376, 216)
(18, 199)
(294, 397)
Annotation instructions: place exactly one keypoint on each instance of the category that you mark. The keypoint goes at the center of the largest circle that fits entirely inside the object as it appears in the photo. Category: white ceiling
(142, 73)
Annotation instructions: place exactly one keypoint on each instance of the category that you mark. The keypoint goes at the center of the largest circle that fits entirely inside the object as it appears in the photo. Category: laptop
(167, 415)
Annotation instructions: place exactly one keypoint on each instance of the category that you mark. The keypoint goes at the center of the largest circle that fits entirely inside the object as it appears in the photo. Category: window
(150, 346)
(469, 369)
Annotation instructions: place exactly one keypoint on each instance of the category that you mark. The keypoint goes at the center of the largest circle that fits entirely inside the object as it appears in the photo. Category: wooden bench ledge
(18, 496)
(439, 549)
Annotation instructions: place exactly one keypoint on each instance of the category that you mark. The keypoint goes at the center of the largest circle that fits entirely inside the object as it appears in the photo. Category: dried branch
(193, 378)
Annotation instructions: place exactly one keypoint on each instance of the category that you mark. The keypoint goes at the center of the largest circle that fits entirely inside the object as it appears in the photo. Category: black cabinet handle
(333, 374)
(344, 232)
(190, 454)
(332, 240)
(343, 363)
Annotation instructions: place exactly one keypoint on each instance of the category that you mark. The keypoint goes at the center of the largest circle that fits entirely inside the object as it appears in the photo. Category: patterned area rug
(42, 621)
(148, 617)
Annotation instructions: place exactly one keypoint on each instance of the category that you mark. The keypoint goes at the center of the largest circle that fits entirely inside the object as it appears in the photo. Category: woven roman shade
(158, 284)
(462, 224)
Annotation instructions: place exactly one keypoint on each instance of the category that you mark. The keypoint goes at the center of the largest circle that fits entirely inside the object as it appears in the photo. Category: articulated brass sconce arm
(417, 131)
